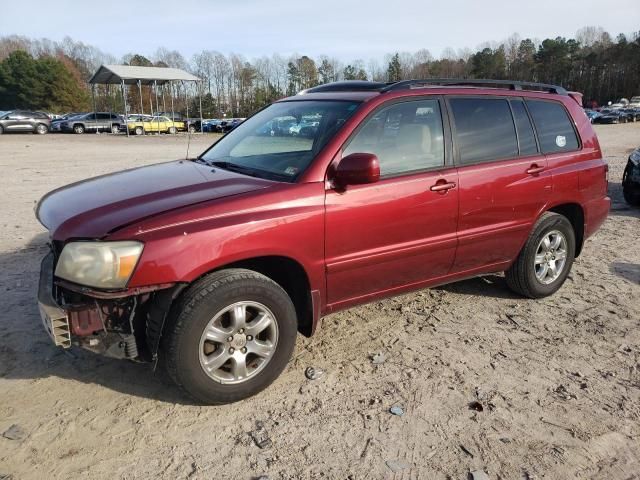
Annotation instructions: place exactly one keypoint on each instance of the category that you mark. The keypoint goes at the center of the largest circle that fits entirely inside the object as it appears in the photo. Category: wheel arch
(575, 214)
(291, 276)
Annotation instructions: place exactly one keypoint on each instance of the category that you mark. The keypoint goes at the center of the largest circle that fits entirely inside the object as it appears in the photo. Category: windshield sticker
(291, 170)
(561, 141)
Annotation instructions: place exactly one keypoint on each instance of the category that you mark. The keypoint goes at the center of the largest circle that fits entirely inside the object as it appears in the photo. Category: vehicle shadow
(619, 207)
(491, 285)
(628, 271)
(26, 352)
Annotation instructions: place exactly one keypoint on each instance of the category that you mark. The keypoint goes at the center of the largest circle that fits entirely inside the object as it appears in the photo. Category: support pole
(112, 102)
(110, 109)
(151, 100)
(141, 102)
(173, 115)
(200, 99)
(124, 100)
(155, 88)
(93, 98)
(186, 99)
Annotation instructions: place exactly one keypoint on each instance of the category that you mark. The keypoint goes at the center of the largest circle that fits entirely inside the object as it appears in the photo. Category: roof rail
(474, 82)
(347, 86)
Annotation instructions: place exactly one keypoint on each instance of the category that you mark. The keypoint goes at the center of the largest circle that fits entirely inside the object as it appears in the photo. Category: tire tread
(182, 309)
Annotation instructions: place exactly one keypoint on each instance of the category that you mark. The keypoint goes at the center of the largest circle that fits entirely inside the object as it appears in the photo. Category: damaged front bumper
(54, 319)
(125, 324)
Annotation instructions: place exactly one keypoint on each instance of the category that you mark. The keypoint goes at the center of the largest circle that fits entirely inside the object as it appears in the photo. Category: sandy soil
(557, 380)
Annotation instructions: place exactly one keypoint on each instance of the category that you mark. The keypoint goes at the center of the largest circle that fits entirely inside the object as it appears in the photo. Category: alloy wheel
(238, 342)
(551, 257)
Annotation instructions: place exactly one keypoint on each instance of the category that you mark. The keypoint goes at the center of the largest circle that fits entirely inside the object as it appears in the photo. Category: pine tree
(394, 71)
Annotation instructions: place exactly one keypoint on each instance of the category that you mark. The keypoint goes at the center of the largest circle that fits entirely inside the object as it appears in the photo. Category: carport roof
(115, 74)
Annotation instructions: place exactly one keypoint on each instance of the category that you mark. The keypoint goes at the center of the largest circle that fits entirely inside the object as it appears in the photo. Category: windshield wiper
(234, 167)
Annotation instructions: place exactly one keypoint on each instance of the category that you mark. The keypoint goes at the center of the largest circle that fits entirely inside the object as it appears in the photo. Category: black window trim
(533, 126)
(446, 129)
(571, 122)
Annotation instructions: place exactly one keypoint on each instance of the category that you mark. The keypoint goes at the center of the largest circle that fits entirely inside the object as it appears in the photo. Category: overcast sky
(339, 28)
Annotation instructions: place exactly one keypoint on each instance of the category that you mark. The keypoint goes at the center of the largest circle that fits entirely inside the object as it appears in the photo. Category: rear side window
(484, 129)
(526, 135)
(555, 132)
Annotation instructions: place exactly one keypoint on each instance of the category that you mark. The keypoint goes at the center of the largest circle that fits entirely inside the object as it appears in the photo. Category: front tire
(546, 259)
(229, 336)
(78, 129)
(192, 129)
(139, 131)
(41, 129)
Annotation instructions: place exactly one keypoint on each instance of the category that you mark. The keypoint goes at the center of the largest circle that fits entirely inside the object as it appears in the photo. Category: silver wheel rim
(551, 257)
(238, 342)
(41, 129)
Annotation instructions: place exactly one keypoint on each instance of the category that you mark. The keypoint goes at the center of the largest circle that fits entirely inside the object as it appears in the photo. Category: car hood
(96, 207)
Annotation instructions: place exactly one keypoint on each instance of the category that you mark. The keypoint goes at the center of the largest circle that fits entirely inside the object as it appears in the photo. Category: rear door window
(554, 127)
(484, 129)
(526, 136)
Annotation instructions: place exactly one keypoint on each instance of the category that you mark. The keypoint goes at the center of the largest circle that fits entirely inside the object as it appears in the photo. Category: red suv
(212, 265)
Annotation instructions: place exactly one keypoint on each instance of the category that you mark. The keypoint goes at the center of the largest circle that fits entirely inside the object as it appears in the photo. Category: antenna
(188, 139)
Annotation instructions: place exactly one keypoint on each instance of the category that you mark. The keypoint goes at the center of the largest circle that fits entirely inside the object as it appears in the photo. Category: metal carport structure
(133, 75)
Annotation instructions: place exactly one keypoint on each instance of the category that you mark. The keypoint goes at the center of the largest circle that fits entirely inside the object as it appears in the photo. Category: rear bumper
(596, 212)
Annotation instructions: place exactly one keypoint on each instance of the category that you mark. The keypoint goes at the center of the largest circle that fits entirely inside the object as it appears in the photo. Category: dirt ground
(556, 382)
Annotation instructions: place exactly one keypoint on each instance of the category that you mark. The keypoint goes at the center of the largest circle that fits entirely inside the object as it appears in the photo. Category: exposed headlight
(635, 157)
(99, 264)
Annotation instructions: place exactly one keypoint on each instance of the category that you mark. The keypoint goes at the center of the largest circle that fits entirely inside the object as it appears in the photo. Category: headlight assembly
(99, 264)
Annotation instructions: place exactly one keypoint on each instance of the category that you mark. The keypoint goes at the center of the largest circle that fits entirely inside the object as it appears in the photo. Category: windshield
(280, 141)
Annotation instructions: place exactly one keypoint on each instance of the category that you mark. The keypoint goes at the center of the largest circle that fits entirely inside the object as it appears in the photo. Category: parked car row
(213, 125)
(81, 122)
(614, 115)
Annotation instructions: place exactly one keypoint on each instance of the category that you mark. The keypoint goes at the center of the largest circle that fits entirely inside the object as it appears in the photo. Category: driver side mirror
(357, 169)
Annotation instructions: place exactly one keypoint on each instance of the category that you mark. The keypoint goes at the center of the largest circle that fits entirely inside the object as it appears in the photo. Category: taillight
(606, 173)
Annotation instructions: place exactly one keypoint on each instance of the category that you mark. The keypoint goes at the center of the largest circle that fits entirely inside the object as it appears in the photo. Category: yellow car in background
(154, 125)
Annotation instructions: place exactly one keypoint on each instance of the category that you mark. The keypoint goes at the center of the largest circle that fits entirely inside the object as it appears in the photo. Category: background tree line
(48, 75)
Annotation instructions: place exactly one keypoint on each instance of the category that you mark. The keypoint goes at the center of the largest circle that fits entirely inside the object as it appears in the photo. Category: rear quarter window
(554, 126)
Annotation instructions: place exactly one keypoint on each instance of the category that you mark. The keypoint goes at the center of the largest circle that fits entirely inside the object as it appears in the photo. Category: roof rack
(347, 86)
(473, 82)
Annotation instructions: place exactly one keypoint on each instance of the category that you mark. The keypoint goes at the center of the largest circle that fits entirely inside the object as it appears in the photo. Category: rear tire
(192, 129)
(172, 130)
(218, 356)
(139, 131)
(1, 130)
(542, 266)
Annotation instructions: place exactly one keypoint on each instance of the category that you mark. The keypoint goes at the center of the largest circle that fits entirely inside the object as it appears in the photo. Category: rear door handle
(534, 169)
(442, 187)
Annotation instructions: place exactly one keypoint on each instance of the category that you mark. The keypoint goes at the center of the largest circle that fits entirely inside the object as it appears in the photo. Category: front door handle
(442, 186)
(534, 169)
